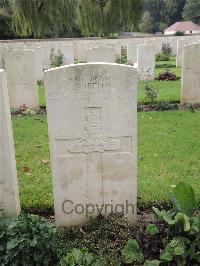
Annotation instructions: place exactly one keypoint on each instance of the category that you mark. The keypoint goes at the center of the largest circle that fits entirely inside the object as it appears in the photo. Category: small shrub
(56, 60)
(162, 57)
(151, 93)
(179, 33)
(26, 240)
(121, 60)
(167, 75)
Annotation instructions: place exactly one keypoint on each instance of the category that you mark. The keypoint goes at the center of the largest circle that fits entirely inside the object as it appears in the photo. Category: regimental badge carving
(94, 140)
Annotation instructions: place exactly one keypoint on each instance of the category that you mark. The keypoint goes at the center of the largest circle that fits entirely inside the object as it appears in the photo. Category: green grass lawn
(168, 151)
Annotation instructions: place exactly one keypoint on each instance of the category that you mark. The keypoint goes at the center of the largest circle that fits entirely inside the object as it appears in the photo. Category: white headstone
(21, 78)
(190, 87)
(173, 45)
(180, 44)
(92, 119)
(38, 63)
(146, 61)
(132, 52)
(101, 54)
(9, 194)
(67, 50)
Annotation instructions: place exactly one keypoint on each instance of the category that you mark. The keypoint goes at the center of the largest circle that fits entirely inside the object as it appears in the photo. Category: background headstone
(146, 61)
(101, 54)
(21, 78)
(190, 83)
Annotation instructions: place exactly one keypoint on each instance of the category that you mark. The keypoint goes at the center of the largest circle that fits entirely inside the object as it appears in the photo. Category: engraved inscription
(99, 86)
(94, 140)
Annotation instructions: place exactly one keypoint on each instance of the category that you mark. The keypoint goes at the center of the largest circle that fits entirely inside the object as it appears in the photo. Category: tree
(106, 17)
(40, 18)
(6, 30)
(147, 23)
(192, 11)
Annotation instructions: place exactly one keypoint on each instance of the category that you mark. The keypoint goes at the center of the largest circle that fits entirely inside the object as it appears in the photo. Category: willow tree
(41, 18)
(106, 17)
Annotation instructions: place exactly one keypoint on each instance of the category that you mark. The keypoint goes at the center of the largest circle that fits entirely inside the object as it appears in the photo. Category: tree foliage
(192, 11)
(41, 18)
(105, 17)
(163, 13)
(95, 17)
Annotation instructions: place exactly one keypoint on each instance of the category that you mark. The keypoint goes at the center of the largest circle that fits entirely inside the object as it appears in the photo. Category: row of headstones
(92, 114)
(25, 66)
(92, 132)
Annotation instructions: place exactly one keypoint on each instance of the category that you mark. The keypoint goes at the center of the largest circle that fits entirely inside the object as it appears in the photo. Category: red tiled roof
(183, 26)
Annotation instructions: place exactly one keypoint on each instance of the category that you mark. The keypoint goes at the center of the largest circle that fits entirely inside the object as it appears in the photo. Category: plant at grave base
(151, 93)
(56, 59)
(79, 257)
(167, 75)
(121, 59)
(40, 82)
(182, 244)
(26, 240)
(162, 57)
(131, 254)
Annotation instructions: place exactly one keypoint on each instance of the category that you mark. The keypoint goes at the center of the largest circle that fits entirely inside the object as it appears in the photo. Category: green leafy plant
(183, 243)
(179, 33)
(56, 59)
(162, 57)
(151, 92)
(26, 240)
(152, 229)
(121, 60)
(79, 257)
(131, 252)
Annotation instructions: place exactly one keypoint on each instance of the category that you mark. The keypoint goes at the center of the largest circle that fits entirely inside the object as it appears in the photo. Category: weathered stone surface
(9, 195)
(101, 54)
(146, 61)
(92, 129)
(68, 52)
(21, 78)
(190, 84)
(132, 52)
(38, 63)
(180, 44)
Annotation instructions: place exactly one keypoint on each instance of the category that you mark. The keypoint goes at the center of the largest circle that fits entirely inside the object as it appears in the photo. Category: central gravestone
(92, 130)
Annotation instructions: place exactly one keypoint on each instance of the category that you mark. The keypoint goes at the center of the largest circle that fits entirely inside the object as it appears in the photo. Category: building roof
(183, 26)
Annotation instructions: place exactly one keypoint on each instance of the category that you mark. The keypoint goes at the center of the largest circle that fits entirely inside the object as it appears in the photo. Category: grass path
(168, 151)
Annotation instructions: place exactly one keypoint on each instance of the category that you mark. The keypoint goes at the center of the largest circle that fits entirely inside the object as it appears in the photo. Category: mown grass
(168, 151)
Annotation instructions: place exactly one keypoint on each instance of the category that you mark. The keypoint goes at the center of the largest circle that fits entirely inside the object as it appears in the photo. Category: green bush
(179, 33)
(26, 240)
(121, 60)
(162, 57)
